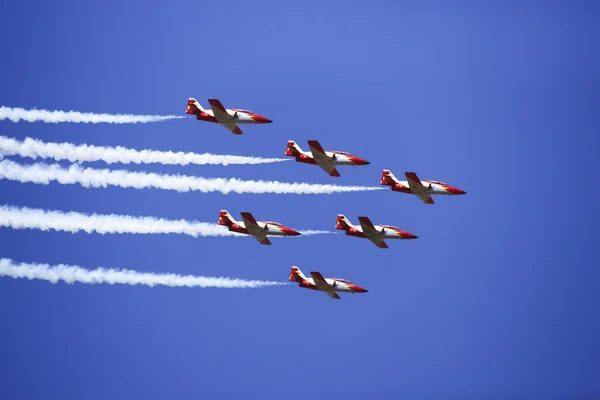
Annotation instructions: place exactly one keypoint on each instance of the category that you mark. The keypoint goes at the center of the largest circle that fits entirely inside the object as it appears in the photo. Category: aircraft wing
(367, 227)
(233, 128)
(254, 229)
(372, 233)
(219, 111)
(330, 169)
(421, 191)
(322, 159)
(379, 242)
(323, 286)
(263, 241)
(223, 117)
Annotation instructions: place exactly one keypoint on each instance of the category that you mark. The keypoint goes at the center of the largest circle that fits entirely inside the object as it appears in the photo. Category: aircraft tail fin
(292, 149)
(296, 275)
(193, 107)
(387, 178)
(342, 223)
(226, 219)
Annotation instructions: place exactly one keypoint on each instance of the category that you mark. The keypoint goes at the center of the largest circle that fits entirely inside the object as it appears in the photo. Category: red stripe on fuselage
(206, 117)
(239, 229)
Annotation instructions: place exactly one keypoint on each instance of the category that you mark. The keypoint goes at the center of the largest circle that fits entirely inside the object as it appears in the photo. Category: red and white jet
(229, 118)
(422, 189)
(375, 233)
(258, 230)
(330, 285)
(327, 160)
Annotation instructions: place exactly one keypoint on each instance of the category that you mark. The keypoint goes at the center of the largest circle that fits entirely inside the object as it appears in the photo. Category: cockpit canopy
(341, 152)
(272, 223)
(341, 280)
(438, 182)
(242, 110)
(388, 227)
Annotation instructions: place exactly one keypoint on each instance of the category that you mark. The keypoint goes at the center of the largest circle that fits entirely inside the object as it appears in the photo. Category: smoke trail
(311, 232)
(67, 151)
(89, 177)
(35, 218)
(73, 222)
(71, 274)
(21, 114)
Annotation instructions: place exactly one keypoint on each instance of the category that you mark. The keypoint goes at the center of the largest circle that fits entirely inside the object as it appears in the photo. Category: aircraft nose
(360, 161)
(360, 289)
(456, 191)
(292, 232)
(261, 120)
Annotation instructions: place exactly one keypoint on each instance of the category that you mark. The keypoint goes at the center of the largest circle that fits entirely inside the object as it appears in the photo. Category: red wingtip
(334, 172)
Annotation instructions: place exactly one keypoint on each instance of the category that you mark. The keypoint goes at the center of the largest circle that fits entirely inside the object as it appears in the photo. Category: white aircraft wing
(330, 169)
(233, 128)
(333, 295)
(322, 159)
(372, 233)
(323, 286)
(418, 189)
(223, 117)
(379, 242)
(254, 229)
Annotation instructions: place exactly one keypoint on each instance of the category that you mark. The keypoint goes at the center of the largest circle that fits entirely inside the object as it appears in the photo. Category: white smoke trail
(311, 232)
(73, 222)
(67, 151)
(71, 274)
(21, 114)
(45, 220)
(89, 177)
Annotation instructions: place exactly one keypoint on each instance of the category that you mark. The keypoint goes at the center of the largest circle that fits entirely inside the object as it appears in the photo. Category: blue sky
(498, 296)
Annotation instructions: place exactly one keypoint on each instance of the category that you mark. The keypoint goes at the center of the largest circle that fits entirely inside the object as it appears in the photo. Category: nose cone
(261, 120)
(291, 232)
(408, 235)
(360, 161)
(455, 191)
(359, 289)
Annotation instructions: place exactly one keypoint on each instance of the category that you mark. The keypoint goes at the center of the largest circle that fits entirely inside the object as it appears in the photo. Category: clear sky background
(496, 299)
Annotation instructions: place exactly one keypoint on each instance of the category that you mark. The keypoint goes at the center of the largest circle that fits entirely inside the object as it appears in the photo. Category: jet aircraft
(422, 189)
(229, 118)
(375, 233)
(327, 160)
(330, 285)
(258, 230)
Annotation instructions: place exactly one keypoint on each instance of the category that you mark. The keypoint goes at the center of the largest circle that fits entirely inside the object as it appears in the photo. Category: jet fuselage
(433, 187)
(241, 117)
(340, 158)
(389, 232)
(338, 285)
(269, 228)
